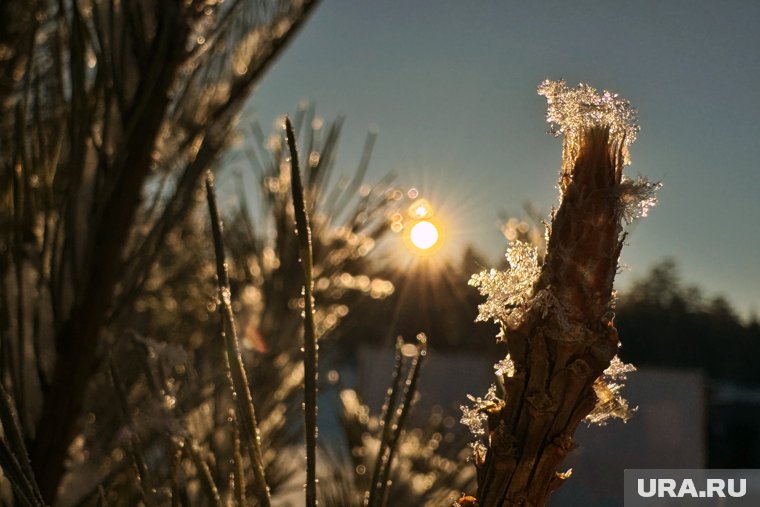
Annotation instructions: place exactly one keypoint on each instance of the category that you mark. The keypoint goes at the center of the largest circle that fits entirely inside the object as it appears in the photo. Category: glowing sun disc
(424, 235)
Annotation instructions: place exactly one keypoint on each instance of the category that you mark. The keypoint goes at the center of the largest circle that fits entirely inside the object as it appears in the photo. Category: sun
(422, 231)
(424, 235)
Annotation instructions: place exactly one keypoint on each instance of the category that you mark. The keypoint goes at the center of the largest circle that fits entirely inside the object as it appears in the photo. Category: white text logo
(714, 488)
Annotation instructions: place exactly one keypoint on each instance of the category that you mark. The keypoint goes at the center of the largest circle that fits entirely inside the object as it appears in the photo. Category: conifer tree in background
(110, 114)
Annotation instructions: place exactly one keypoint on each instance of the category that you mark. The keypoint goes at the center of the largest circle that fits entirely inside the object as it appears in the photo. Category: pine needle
(244, 408)
(310, 338)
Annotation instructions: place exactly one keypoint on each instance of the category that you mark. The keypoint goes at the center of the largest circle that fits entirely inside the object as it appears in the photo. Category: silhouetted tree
(673, 324)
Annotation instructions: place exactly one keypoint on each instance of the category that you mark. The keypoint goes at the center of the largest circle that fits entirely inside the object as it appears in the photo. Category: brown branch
(560, 348)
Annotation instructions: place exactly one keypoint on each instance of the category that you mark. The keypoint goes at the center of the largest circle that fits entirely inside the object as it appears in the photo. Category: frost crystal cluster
(508, 292)
(505, 367)
(572, 111)
(636, 197)
(610, 402)
(475, 417)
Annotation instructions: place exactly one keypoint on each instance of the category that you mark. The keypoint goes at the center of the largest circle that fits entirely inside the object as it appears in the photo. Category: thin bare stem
(237, 376)
(310, 337)
(387, 423)
(204, 474)
(136, 448)
(14, 458)
(12, 470)
(174, 475)
(239, 471)
(102, 501)
(402, 412)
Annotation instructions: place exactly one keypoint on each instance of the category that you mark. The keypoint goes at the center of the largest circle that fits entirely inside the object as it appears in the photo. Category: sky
(451, 86)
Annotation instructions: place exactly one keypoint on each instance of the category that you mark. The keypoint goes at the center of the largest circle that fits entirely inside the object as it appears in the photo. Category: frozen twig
(556, 317)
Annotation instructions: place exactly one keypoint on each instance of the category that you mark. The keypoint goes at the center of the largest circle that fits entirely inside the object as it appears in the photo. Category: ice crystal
(474, 420)
(226, 296)
(636, 197)
(618, 370)
(505, 367)
(610, 402)
(508, 292)
(572, 111)
(475, 416)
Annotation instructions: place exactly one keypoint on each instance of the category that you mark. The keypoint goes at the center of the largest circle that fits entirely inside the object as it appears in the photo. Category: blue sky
(452, 87)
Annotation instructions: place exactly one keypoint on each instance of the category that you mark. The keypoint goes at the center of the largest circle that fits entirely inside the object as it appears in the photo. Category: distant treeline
(662, 320)
(666, 322)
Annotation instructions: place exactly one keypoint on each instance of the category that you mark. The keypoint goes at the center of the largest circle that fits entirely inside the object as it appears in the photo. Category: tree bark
(565, 343)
